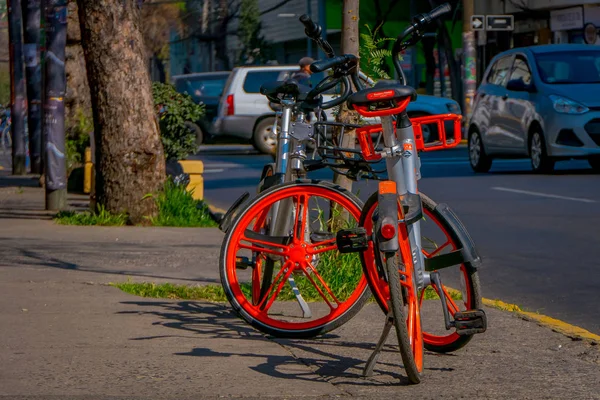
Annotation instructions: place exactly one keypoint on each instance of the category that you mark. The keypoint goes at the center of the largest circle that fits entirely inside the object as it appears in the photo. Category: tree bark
(350, 45)
(77, 97)
(129, 155)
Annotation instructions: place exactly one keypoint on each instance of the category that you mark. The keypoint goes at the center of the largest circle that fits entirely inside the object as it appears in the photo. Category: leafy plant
(174, 110)
(100, 218)
(78, 138)
(177, 207)
(373, 54)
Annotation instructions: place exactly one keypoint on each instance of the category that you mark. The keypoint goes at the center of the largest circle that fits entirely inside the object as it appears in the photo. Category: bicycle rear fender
(466, 252)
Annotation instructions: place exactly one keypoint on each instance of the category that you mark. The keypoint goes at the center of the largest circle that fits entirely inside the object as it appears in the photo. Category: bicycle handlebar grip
(322, 65)
(439, 11)
(312, 30)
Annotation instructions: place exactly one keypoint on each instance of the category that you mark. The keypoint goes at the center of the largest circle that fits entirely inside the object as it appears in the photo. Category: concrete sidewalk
(64, 333)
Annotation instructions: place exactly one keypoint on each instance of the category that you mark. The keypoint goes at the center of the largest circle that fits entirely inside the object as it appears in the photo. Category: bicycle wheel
(460, 282)
(307, 264)
(405, 309)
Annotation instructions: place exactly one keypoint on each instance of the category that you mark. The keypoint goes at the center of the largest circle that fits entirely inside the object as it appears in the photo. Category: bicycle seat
(387, 97)
(277, 90)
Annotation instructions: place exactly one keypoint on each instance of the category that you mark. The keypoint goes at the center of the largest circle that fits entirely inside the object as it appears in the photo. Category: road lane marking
(213, 170)
(551, 196)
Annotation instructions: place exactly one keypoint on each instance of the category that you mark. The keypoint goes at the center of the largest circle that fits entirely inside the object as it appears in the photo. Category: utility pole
(469, 60)
(32, 17)
(55, 83)
(17, 87)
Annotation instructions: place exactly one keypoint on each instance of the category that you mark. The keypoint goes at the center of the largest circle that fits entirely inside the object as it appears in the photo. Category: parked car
(205, 88)
(245, 113)
(538, 102)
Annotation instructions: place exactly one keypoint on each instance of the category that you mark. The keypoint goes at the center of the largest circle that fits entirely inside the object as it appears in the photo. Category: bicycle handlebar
(348, 61)
(313, 31)
(414, 30)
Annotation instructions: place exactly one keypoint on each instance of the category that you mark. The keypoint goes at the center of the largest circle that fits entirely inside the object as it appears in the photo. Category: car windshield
(569, 67)
(202, 86)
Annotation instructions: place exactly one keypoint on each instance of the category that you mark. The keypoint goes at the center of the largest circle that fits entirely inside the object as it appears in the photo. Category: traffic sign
(500, 22)
(477, 22)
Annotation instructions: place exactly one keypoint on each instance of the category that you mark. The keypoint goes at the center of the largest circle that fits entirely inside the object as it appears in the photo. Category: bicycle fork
(281, 211)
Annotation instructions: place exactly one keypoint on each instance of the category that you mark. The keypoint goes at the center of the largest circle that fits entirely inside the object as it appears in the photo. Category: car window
(205, 86)
(569, 67)
(521, 70)
(500, 71)
(255, 79)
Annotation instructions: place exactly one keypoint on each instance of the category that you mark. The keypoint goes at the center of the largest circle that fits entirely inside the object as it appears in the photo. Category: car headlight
(567, 106)
(454, 108)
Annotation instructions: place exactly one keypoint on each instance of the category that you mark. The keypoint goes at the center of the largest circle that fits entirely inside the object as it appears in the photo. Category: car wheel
(197, 132)
(264, 139)
(479, 160)
(595, 163)
(540, 161)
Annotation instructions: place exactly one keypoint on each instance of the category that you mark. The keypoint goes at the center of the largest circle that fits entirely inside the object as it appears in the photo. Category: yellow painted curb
(464, 141)
(195, 169)
(1, 168)
(216, 210)
(572, 331)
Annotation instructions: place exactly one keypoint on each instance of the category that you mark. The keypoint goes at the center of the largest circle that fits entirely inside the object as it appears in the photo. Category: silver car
(538, 102)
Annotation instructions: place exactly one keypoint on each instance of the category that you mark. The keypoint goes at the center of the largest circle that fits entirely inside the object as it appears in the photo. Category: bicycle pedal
(470, 322)
(243, 263)
(352, 240)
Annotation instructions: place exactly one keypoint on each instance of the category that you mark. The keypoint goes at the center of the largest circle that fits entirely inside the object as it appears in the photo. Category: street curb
(558, 326)
(464, 141)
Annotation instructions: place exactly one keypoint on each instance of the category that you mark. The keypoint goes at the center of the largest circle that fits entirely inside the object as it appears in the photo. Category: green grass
(99, 218)
(176, 208)
(169, 291)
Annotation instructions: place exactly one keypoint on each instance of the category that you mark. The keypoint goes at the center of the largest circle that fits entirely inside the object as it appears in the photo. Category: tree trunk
(129, 155)
(77, 98)
(32, 17)
(350, 45)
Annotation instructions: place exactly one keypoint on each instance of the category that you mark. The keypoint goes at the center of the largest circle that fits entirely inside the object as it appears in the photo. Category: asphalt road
(538, 235)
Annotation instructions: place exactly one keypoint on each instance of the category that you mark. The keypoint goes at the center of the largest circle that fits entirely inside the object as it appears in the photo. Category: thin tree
(129, 154)
(350, 45)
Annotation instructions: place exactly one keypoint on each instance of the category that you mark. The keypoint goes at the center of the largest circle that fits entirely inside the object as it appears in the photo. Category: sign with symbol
(477, 22)
(500, 22)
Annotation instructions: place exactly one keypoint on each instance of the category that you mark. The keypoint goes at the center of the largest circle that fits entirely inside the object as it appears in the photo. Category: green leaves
(373, 54)
(174, 110)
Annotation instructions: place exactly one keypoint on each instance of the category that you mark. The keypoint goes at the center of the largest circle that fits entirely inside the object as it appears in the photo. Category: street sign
(477, 22)
(500, 22)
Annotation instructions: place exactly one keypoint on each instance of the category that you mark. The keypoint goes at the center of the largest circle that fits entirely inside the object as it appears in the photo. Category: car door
(496, 95)
(517, 110)
(248, 100)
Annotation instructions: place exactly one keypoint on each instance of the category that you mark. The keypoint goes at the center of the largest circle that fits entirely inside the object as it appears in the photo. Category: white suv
(245, 113)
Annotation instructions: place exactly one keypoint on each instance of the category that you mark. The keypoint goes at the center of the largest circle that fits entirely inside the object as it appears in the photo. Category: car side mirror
(517, 85)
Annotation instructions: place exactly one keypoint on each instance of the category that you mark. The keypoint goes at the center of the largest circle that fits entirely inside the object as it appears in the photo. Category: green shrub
(177, 207)
(174, 110)
(78, 138)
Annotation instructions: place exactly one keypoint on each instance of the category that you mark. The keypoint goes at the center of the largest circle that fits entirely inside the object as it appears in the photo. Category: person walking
(303, 75)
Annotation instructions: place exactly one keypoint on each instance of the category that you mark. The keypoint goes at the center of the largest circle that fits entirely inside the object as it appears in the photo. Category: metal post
(17, 88)
(32, 18)
(469, 60)
(54, 106)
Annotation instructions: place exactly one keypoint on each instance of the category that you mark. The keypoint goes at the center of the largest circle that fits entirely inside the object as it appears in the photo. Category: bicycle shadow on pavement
(331, 357)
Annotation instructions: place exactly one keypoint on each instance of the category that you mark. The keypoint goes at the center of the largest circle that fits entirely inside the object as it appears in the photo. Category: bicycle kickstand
(389, 322)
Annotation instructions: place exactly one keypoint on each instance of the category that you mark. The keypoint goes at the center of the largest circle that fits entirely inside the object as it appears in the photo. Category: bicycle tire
(410, 345)
(436, 343)
(252, 313)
